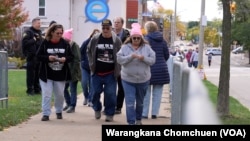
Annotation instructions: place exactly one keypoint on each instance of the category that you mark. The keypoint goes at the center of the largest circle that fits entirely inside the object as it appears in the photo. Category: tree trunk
(223, 91)
(248, 55)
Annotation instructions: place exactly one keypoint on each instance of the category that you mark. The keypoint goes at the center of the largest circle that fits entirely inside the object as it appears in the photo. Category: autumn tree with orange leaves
(12, 15)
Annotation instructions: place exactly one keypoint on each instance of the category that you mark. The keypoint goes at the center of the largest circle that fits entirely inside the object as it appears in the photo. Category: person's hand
(141, 57)
(134, 55)
(53, 58)
(63, 59)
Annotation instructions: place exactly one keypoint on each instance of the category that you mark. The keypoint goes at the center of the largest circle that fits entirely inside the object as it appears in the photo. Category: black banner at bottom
(163, 132)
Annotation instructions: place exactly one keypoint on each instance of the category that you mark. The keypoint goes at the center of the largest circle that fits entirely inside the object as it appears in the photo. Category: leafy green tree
(241, 23)
(12, 15)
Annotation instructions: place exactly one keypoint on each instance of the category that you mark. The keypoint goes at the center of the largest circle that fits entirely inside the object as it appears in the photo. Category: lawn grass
(238, 113)
(20, 105)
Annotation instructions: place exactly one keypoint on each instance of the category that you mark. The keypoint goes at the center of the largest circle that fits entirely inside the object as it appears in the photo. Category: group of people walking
(121, 64)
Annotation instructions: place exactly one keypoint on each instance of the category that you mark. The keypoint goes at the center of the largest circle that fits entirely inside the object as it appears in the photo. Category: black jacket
(32, 39)
(43, 54)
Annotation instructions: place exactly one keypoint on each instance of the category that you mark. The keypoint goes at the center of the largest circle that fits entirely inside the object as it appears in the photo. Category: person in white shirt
(194, 58)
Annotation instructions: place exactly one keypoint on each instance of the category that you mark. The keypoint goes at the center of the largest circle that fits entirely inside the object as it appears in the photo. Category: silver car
(213, 51)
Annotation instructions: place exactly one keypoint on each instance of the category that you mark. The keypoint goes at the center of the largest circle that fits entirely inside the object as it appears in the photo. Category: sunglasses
(107, 28)
(58, 33)
(136, 38)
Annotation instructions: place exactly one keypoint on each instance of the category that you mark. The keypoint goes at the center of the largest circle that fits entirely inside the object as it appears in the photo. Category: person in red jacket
(188, 56)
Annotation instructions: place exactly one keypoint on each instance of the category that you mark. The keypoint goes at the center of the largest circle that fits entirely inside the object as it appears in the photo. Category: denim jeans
(134, 96)
(71, 97)
(195, 64)
(47, 90)
(156, 91)
(106, 84)
(189, 64)
(120, 94)
(86, 85)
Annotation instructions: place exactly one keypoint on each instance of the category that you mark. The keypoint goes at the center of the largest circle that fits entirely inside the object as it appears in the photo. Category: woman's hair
(129, 40)
(150, 26)
(51, 29)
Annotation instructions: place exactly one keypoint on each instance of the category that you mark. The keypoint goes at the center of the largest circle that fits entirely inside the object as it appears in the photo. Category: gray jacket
(91, 53)
(134, 70)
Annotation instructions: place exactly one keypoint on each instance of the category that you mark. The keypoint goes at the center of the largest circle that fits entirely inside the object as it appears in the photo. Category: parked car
(238, 50)
(213, 51)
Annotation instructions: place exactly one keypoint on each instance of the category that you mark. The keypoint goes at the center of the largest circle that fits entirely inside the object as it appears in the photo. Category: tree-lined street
(239, 76)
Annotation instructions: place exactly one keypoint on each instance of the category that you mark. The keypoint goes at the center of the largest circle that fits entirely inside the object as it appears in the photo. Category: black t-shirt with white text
(104, 55)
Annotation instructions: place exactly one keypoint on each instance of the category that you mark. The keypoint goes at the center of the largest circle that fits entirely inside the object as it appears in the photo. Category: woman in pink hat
(135, 58)
(75, 70)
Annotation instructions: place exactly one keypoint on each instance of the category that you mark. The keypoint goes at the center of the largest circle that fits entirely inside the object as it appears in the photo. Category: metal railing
(190, 103)
(3, 79)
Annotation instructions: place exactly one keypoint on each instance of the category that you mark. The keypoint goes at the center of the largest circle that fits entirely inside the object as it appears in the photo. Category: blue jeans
(71, 97)
(86, 85)
(106, 84)
(195, 64)
(156, 91)
(134, 96)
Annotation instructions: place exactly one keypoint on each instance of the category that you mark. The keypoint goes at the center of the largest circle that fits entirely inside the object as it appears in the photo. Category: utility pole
(172, 31)
(203, 23)
(140, 2)
(175, 15)
(173, 27)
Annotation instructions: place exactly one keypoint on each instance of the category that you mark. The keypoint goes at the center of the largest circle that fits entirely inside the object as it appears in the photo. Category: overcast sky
(190, 10)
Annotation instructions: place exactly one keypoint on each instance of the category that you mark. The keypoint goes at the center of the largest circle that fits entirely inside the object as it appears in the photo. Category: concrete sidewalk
(80, 125)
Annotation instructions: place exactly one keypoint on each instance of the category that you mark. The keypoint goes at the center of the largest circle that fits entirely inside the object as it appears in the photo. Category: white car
(238, 50)
(213, 51)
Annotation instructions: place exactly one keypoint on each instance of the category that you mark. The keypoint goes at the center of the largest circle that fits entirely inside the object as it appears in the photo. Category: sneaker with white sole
(85, 102)
(138, 122)
(109, 118)
(98, 114)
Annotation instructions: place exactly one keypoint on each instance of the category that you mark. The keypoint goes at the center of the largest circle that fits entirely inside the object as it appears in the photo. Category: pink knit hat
(136, 29)
(67, 34)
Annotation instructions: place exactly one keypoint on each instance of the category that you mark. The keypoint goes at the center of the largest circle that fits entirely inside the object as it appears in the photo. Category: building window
(41, 7)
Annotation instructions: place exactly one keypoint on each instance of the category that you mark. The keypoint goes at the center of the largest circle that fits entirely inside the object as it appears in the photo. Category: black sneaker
(138, 122)
(37, 92)
(118, 111)
(65, 108)
(59, 115)
(109, 118)
(98, 114)
(30, 93)
(71, 110)
(154, 117)
(45, 118)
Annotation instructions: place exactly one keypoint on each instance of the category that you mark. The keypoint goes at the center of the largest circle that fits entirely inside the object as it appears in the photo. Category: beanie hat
(67, 34)
(136, 29)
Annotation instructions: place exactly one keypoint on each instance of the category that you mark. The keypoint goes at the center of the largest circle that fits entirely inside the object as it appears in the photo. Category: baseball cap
(106, 22)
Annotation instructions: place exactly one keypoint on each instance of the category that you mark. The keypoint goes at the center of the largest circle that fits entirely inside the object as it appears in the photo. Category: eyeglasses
(107, 28)
(58, 33)
(136, 38)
